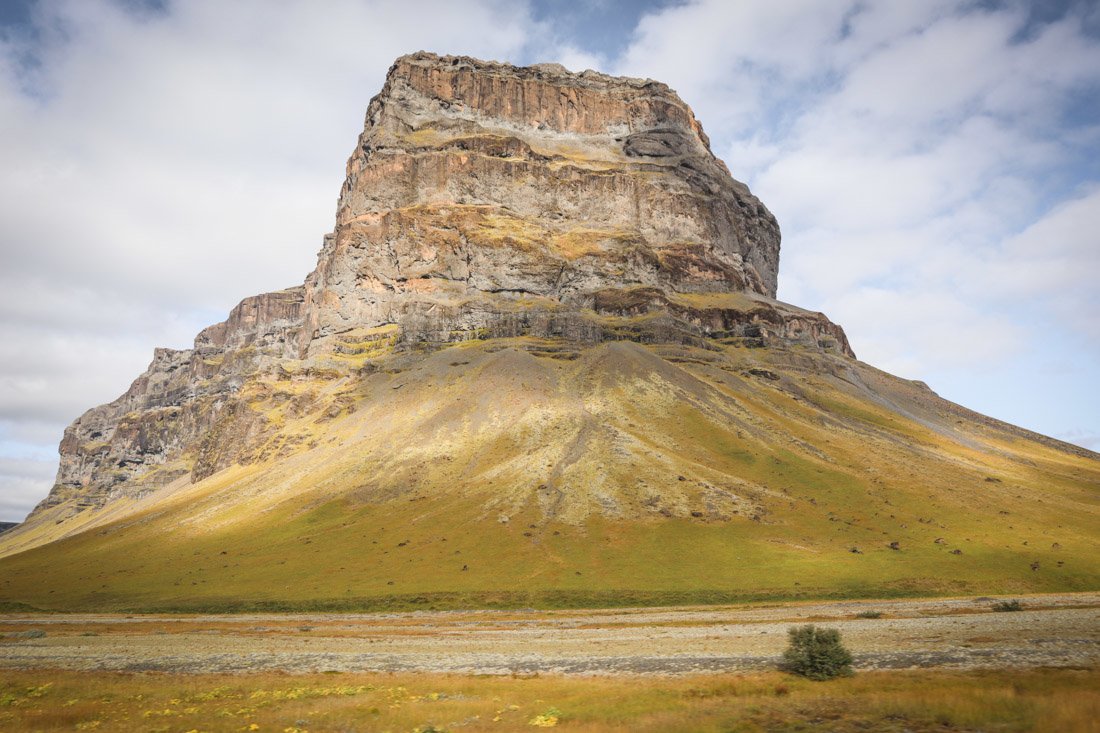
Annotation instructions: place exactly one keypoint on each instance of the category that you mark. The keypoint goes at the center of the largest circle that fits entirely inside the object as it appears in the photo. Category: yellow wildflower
(543, 721)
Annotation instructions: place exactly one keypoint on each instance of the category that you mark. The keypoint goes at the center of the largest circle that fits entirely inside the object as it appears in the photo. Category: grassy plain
(1067, 701)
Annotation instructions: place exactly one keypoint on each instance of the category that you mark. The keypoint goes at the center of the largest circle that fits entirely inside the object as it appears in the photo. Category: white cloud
(905, 329)
(577, 60)
(1061, 249)
(169, 145)
(1053, 265)
(23, 483)
(873, 26)
(1085, 438)
(735, 62)
(934, 74)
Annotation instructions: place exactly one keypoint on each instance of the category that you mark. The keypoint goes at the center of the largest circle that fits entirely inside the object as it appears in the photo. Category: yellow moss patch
(578, 243)
(368, 343)
(706, 301)
(502, 230)
(425, 137)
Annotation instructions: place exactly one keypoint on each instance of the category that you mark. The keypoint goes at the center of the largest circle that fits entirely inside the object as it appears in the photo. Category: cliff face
(150, 435)
(482, 200)
(475, 184)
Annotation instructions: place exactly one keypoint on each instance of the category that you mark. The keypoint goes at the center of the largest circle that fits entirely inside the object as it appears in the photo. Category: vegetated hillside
(535, 472)
(539, 362)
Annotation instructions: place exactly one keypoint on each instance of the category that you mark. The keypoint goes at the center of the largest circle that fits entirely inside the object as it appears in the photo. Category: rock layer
(150, 435)
(482, 200)
(475, 181)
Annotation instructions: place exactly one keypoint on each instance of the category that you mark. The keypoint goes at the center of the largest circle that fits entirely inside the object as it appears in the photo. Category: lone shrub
(29, 634)
(1008, 606)
(816, 653)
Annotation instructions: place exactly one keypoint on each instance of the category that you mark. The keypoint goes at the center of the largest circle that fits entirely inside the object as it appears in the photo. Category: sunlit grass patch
(1039, 700)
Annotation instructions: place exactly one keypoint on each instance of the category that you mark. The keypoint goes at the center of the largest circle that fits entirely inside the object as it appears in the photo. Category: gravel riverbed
(1060, 630)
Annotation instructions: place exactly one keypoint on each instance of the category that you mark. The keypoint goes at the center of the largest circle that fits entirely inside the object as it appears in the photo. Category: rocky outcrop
(148, 437)
(270, 321)
(475, 179)
(482, 200)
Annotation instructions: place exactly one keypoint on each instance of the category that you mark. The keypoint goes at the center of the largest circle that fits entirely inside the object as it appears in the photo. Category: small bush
(869, 614)
(29, 634)
(1008, 606)
(816, 653)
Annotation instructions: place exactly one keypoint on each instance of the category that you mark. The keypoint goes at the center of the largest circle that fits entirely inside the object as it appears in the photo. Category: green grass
(273, 565)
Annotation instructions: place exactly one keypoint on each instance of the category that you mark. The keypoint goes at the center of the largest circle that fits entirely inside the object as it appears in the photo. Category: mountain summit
(540, 353)
(486, 199)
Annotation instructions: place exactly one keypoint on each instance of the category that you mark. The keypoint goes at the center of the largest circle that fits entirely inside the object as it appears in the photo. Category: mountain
(540, 361)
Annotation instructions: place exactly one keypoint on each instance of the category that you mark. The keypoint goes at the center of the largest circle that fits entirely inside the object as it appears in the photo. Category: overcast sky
(933, 164)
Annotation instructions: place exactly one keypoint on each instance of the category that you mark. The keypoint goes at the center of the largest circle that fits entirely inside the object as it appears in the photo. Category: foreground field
(1038, 700)
(922, 665)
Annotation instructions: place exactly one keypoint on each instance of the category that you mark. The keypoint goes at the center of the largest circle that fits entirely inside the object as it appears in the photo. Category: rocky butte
(482, 200)
(540, 354)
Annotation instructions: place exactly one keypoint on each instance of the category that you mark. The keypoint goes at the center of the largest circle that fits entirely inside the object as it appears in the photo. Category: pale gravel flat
(1060, 630)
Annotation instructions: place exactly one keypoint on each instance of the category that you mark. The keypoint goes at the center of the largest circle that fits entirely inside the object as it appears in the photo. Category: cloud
(904, 329)
(740, 65)
(1054, 264)
(930, 75)
(1084, 438)
(23, 483)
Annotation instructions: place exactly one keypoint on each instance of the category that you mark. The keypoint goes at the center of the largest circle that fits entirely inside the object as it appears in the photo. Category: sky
(934, 166)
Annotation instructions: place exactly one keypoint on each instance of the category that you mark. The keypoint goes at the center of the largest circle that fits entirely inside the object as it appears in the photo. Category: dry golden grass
(1039, 700)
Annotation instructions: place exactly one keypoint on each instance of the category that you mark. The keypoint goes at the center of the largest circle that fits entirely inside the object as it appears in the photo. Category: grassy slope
(628, 475)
